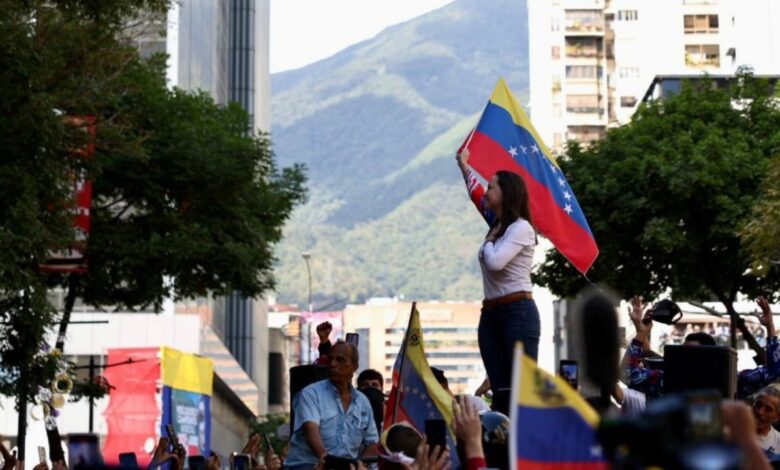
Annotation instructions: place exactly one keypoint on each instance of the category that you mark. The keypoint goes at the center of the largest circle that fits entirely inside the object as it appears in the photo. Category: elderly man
(331, 416)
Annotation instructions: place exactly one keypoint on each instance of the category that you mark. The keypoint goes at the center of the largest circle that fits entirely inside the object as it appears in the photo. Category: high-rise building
(449, 331)
(592, 61)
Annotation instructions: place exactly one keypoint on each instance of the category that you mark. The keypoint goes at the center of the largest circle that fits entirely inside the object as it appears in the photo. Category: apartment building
(591, 61)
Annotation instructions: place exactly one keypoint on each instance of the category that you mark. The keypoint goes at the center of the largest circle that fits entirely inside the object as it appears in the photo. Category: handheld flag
(505, 139)
(416, 396)
(552, 425)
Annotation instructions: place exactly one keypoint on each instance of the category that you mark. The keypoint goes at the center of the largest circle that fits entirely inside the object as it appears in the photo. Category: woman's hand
(463, 158)
(766, 317)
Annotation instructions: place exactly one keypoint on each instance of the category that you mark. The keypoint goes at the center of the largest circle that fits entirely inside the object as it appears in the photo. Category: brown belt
(505, 299)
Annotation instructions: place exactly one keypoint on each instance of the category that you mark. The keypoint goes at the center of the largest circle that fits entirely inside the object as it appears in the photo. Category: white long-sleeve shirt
(506, 263)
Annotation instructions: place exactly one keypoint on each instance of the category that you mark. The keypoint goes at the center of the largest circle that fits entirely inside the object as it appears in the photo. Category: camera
(680, 431)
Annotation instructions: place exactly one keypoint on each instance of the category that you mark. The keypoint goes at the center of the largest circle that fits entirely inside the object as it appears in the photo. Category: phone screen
(128, 460)
(436, 433)
(240, 462)
(196, 462)
(568, 371)
(83, 449)
(705, 419)
(353, 338)
(41, 454)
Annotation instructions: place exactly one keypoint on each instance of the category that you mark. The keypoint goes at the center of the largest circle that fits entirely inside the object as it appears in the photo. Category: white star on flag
(513, 151)
(524, 148)
(535, 148)
(561, 181)
(553, 168)
(595, 451)
(567, 195)
(568, 209)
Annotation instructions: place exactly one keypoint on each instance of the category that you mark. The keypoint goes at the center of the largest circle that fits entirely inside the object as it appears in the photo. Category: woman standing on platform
(509, 313)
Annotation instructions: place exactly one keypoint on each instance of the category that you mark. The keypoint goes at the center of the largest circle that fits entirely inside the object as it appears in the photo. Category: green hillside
(377, 125)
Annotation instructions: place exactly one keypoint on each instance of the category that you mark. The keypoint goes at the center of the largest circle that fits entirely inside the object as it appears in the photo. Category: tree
(667, 194)
(761, 233)
(186, 201)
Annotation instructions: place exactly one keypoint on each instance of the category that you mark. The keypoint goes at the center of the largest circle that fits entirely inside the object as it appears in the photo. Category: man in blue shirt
(331, 416)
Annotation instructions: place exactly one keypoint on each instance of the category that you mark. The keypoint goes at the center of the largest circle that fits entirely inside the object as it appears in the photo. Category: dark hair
(702, 338)
(370, 374)
(439, 374)
(352, 349)
(514, 200)
(401, 438)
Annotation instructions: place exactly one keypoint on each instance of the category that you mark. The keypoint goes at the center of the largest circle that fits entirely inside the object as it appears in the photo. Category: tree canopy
(667, 195)
(187, 200)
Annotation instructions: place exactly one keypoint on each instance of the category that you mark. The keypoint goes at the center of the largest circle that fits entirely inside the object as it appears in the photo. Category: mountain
(377, 125)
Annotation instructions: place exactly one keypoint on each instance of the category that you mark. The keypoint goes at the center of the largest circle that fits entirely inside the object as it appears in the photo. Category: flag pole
(403, 363)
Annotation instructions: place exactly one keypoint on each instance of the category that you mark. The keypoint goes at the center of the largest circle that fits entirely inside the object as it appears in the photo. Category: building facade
(591, 61)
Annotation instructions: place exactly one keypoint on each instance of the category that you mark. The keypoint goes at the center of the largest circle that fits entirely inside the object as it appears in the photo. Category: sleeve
(371, 436)
(497, 254)
(647, 381)
(750, 381)
(306, 409)
(476, 463)
(477, 195)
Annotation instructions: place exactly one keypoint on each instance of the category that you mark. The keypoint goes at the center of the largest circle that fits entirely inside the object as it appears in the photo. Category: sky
(305, 31)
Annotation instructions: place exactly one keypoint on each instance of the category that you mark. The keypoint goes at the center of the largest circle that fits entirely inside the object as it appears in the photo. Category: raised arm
(750, 381)
(474, 188)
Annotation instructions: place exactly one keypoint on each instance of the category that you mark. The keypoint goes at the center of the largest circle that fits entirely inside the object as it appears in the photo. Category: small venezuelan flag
(505, 139)
(552, 425)
(416, 396)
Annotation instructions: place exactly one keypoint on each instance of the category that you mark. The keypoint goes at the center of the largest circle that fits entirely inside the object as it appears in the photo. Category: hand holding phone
(436, 433)
(240, 462)
(353, 339)
(568, 370)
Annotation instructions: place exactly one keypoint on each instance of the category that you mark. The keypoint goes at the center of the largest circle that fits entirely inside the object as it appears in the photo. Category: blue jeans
(499, 329)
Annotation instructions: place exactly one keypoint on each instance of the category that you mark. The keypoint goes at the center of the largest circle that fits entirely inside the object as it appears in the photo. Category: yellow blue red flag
(553, 427)
(416, 395)
(505, 139)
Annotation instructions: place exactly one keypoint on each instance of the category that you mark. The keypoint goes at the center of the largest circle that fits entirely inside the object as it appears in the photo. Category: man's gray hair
(352, 349)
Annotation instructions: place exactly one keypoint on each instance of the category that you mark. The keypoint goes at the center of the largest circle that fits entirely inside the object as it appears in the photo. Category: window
(555, 25)
(627, 15)
(702, 55)
(701, 24)
(627, 101)
(583, 47)
(583, 104)
(556, 52)
(556, 84)
(585, 134)
(628, 72)
(584, 20)
(557, 111)
(583, 72)
(557, 141)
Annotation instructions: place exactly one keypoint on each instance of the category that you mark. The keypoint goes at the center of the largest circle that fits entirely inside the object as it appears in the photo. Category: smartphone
(704, 416)
(337, 463)
(41, 454)
(83, 449)
(268, 445)
(353, 338)
(568, 370)
(172, 437)
(196, 462)
(436, 433)
(128, 460)
(240, 462)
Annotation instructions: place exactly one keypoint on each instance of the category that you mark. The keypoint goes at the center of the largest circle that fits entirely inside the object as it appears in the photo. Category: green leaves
(667, 194)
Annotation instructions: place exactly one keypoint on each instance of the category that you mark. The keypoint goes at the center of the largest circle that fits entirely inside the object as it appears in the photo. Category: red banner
(72, 258)
(133, 412)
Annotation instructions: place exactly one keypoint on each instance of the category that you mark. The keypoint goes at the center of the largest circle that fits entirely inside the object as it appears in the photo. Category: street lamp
(306, 257)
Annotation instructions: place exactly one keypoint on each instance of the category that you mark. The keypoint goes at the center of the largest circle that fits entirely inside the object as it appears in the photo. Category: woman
(509, 313)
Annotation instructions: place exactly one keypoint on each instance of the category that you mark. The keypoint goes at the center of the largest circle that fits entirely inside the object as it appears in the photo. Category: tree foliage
(762, 233)
(667, 195)
(186, 201)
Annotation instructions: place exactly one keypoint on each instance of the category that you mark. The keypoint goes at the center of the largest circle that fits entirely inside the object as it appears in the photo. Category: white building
(591, 61)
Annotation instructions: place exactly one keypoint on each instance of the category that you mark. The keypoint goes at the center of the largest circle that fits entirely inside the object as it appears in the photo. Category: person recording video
(650, 381)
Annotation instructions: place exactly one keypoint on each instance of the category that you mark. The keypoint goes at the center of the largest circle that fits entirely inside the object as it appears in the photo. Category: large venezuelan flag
(552, 425)
(416, 395)
(505, 139)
